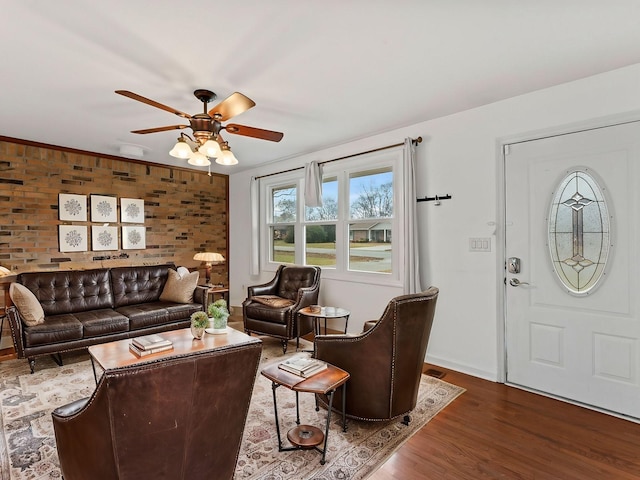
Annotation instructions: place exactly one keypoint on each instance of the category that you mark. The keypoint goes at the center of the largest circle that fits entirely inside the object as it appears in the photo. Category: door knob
(514, 282)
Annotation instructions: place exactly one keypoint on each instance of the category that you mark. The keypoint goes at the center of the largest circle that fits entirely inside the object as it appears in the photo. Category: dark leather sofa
(86, 307)
(180, 418)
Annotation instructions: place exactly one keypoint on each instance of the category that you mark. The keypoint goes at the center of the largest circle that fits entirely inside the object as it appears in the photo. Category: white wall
(458, 156)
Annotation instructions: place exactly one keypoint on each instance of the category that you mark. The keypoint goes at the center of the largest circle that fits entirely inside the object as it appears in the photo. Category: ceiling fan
(207, 126)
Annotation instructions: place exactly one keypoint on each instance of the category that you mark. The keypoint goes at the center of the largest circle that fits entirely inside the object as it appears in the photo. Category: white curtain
(412, 264)
(313, 184)
(254, 192)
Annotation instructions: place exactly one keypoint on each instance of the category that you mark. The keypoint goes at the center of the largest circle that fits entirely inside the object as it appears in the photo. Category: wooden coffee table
(325, 382)
(116, 354)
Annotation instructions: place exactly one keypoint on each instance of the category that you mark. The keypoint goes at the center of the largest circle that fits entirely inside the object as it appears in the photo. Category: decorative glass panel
(579, 232)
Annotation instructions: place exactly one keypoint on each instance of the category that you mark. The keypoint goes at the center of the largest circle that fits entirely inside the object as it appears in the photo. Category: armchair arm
(307, 296)
(268, 288)
(200, 296)
(70, 409)
(15, 323)
(83, 438)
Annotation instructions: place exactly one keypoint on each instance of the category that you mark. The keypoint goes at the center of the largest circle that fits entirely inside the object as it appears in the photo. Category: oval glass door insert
(579, 230)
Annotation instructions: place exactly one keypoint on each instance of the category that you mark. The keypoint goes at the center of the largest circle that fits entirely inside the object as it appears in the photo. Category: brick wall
(185, 210)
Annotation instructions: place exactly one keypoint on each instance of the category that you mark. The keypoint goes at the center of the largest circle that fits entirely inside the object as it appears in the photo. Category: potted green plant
(218, 315)
(199, 321)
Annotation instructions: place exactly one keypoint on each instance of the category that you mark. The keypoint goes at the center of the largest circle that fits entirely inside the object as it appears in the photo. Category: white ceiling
(323, 72)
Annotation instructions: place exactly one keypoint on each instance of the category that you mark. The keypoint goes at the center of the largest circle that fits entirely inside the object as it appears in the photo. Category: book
(154, 340)
(303, 366)
(142, 353)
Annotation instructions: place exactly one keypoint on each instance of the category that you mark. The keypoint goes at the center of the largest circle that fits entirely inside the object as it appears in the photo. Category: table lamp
(209, 258)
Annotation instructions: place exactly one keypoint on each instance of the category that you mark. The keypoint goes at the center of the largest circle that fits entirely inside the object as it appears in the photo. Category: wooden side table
(213, 291)
(325, 382)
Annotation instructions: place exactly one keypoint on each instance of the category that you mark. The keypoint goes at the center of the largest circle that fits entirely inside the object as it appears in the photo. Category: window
(370, 225)
(352, 234)
(282, 230)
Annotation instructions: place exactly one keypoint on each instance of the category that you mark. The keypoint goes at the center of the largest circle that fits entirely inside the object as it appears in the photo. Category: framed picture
(131, 210)
(73, 238)
(134, 238)
(104, 238)
(72, 207)
(104, 209)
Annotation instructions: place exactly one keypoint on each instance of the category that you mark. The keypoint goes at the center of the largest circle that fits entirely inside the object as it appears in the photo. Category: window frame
(342, 170)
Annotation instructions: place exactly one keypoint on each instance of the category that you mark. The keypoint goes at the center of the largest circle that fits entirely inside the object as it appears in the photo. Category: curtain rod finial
(418, 140)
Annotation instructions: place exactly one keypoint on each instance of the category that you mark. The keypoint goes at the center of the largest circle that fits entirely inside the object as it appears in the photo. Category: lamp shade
(208, 257)
(181, 149)
(226, 157)
(210, 148)
(199, 160)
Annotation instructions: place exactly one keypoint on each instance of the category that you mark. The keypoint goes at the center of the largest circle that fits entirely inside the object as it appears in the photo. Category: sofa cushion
(27, 304)
(179, 289)
(145, 315)
(272, 301)
(181, 311)
(102, 322)
(56, 329)
(265, 313)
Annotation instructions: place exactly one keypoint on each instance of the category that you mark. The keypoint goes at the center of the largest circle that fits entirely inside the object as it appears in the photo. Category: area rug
(28, 450)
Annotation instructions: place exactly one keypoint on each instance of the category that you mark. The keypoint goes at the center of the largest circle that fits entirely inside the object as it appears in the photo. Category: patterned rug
(28, 450)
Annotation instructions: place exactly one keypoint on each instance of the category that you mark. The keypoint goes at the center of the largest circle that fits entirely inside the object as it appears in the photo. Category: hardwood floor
(494, 431)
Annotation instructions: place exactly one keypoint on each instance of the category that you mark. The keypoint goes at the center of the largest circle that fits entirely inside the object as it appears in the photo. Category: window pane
(329, 208)
(370, 247)
(321, 245)
(283, 244)
(371, 194)
(283, 203)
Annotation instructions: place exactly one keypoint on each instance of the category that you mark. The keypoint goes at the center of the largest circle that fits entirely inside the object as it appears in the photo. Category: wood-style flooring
(493, 431)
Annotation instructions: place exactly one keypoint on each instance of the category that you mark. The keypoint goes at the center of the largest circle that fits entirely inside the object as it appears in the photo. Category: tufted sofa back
(133, 285)
(70, 291)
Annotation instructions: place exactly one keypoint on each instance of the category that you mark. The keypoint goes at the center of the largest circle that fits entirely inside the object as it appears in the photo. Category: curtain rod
(414, 140)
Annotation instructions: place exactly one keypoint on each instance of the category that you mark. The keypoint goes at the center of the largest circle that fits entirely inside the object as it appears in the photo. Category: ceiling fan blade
(233, 105)
(254, 132)
(160, 129)
(153, 103)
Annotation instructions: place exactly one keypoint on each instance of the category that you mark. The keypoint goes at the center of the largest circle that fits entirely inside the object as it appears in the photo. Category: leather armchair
(272, 308)
(181, 418)
(385, 361)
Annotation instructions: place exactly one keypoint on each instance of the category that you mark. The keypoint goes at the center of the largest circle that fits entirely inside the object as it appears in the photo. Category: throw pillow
(182, 271)
(27, 304)
(273, 301)
(179, 289)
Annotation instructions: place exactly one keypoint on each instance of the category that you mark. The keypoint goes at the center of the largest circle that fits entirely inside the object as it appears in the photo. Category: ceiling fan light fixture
(199, 160)
(181, 149)
(210, 148)
(226, 157)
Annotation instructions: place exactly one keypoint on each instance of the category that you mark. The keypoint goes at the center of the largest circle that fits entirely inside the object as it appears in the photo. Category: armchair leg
(406, 420)
(285, 344)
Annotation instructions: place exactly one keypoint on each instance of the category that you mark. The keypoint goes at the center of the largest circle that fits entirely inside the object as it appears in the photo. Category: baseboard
(458, 367)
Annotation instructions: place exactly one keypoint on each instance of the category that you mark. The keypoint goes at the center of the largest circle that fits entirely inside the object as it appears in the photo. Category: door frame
(501, 144)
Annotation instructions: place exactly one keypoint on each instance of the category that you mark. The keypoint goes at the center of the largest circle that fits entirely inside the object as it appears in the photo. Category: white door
(572, 312)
